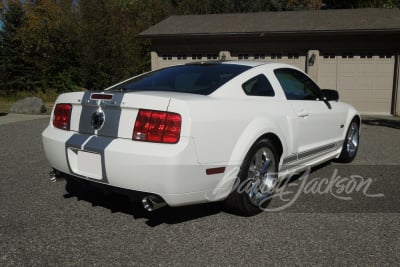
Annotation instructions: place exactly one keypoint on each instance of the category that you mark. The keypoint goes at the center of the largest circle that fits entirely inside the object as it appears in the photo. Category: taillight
(62, 116)
(157, 126)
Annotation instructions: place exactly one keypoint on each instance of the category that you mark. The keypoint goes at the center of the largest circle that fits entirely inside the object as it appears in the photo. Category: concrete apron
(12, 117)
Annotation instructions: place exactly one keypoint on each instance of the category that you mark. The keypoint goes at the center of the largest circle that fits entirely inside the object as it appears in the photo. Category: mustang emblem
(98, 119)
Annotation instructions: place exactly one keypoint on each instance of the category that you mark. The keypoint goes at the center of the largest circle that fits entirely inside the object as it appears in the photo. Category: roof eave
(274, 33)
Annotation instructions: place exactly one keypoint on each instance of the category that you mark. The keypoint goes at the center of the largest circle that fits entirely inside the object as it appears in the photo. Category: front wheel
(351, 142)
(257, 180)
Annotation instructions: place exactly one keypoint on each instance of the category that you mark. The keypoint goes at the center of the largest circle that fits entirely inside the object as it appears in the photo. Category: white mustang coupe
(199, 132)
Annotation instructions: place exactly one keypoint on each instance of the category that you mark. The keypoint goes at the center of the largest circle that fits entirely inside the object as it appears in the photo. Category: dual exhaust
(150, 202)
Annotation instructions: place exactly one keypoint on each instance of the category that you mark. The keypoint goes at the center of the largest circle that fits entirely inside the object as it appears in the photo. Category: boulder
(29, 105)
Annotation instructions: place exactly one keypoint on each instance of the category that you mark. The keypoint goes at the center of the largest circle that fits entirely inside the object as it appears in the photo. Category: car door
(318, 125)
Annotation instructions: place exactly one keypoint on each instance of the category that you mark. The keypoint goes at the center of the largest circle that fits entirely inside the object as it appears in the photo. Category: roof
(334, 20)
(245, 63)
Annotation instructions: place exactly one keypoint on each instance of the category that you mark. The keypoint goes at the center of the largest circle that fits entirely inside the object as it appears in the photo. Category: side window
(258, 86)
(296, 85)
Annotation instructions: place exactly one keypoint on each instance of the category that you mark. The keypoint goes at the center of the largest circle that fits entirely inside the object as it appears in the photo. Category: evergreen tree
(49, 38)
(15, 72)
(94, 43)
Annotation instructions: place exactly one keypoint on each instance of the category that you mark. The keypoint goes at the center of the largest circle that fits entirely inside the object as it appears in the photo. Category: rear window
(200, 79)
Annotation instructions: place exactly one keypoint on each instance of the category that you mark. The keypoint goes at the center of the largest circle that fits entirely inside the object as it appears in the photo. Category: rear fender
(254, 131)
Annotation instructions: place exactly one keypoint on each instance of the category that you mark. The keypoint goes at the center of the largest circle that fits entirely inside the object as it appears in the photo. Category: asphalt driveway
(354, 222)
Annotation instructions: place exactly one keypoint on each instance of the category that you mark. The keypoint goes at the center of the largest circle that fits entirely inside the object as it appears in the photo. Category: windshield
(193, 78)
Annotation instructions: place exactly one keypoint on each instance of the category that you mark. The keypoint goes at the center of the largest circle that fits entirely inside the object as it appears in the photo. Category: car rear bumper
(170, 171)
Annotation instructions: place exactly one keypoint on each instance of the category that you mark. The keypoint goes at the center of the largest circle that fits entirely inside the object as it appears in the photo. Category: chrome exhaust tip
(153, 202)
(54, 175)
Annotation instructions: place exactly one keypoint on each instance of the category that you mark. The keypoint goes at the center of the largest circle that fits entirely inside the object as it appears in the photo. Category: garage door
(294, 59)
(364, 80)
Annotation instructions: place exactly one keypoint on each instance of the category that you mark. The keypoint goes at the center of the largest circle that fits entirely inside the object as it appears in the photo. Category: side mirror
(328, 94)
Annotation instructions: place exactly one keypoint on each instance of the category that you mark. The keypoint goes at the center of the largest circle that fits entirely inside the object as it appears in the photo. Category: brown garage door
(364, 80)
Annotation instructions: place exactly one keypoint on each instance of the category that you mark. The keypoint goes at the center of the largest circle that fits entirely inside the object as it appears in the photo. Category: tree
(111, 50)
(94, 43)
(16, 73)
(49, 39)
(105, 52)
(225, 6)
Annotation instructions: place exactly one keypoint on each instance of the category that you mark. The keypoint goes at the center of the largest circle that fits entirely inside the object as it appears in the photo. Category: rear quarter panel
(224, 128)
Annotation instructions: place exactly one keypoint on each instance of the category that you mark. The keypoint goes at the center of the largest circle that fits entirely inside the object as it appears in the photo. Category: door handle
(302, 114)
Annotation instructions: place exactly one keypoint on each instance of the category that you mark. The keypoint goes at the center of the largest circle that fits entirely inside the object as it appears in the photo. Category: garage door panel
(383, 95)
(345, 95)
(346, 67)
(362, 105)
(364, 80)
(330, 67)
(346, 83)
(366, 68)
(365, 83)
(327, 72)
(327, 82)
(385, 68)
(365, 95)
(383, 82)
(381, 107)
(366, 107)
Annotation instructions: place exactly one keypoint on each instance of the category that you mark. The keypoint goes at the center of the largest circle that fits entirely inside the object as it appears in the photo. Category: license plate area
(85, 163)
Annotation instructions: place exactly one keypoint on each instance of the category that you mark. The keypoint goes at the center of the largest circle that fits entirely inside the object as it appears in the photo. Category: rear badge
(98, 119)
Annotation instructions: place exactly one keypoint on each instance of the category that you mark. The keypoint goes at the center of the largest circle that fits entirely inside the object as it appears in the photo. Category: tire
(256, 186)
(351, 143)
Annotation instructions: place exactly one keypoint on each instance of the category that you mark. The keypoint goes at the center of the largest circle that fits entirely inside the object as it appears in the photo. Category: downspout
(395, 83)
